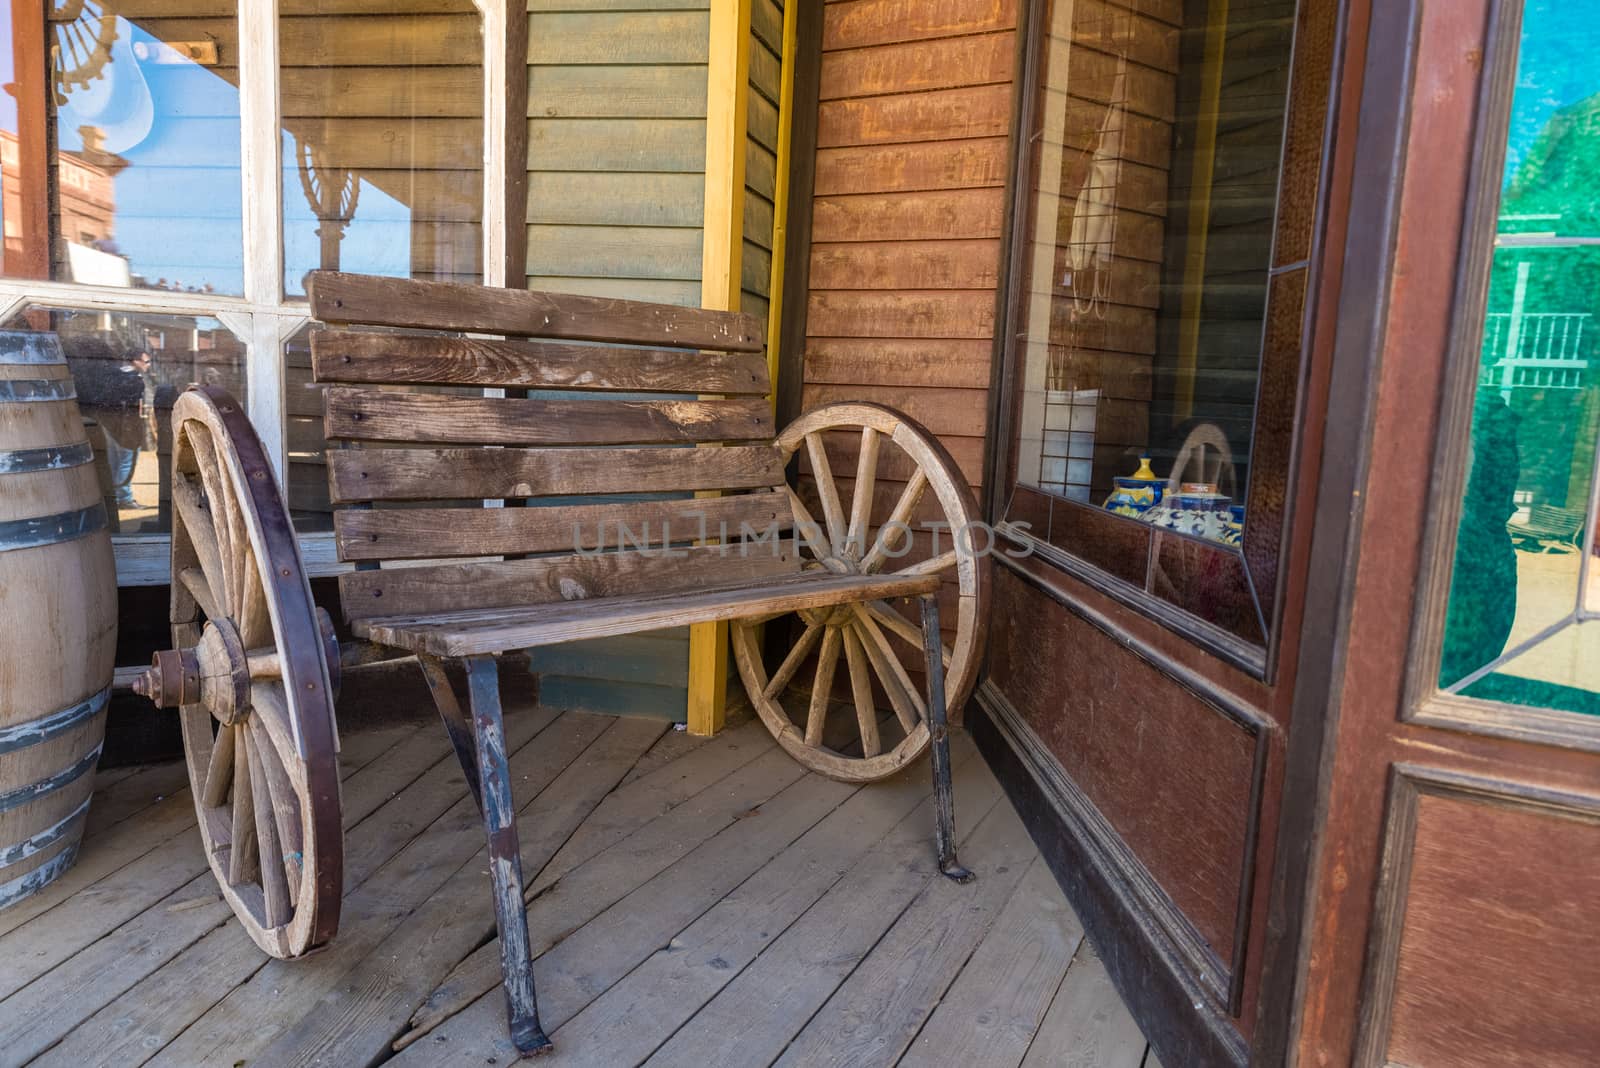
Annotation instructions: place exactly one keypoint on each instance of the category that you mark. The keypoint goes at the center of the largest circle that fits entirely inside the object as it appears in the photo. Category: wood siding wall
(909, 202)
(616, 205)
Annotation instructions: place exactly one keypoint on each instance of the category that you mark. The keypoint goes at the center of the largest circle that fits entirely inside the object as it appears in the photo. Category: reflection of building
(86, 223)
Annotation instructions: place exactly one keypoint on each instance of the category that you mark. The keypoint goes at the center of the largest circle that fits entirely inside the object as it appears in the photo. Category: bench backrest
(639, 372)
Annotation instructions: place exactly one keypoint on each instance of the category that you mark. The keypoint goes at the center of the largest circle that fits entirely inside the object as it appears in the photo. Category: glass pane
(128, 369)
(1513, 628)
(119, 138)
(382, 139)
(1151, 236)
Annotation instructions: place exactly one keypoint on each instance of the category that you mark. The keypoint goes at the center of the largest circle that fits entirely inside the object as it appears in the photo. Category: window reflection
(134, 110)
(382, 139)
(128, 369)
(1523, 620)
(1154, 204)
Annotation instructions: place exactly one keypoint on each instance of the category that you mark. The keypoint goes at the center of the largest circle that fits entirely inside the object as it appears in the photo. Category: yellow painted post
(727, 86)
(780, 198)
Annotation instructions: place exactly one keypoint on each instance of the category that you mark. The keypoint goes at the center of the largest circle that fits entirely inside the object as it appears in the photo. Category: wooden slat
(377, 415)
(470, 633)
(416, 533)
(337, 297)
(425, 474)
(447, 588)
(355, 356)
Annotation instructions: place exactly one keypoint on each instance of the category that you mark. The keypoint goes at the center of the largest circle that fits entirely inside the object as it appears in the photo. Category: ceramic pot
(1137, 493)
(1201, 515)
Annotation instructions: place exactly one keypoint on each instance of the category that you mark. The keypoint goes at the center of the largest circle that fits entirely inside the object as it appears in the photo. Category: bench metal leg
(456, 723)
(505, 856)
(938, 728)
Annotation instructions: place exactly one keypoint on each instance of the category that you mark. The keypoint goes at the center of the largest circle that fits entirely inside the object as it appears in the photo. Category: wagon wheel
(869, 637)
(250, 677)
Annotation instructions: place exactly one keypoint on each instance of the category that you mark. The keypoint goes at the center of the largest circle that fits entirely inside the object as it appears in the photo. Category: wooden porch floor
(695, 903)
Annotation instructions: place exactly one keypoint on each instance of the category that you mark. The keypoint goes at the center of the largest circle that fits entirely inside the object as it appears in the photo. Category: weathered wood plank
(355, 1020)
(52, 1006)
(422, 474)
(399, 869)
(873, 22)
(939, 215)
(470, 633)
(420, 533)
(954, 313)
(970, 163)
(598, 198)
(1087, 1023)
(906, 265)
(625, 92)
(378, 415)
(936, 115)
(961, 363)
(990, 1013)
(348, 298)
(105, 851)
(878, 1010)
(358, 356)
(917, 66)
(652, 824)
(759, 1012)
(626, 1023)
(639, 37)
(607, 947)
(451, 598)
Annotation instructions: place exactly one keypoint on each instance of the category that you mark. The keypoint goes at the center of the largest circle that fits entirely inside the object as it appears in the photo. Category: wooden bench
(453, 463)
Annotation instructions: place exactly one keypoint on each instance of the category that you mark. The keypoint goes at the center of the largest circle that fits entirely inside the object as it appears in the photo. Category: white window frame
(263, 319)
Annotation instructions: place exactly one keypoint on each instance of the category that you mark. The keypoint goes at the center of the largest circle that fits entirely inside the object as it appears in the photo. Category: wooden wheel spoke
(861, 497)
(899, 626)
(203, 538)
(933, 565)
(861, 692)
(213, 514)
(897, 526)
(243, 860)
(792, 662)
(285, 805)
(274, 880)
(194, 580)
(811, 531)
(822, 684)
(828, 491)
(219, 768)
(909, 707)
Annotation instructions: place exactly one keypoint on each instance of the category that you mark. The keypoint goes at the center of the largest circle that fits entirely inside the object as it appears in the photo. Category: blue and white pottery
(1198, 513)
(1137, 493)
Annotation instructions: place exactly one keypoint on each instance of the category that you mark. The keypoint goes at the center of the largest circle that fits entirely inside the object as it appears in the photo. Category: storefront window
(1166, 241)
(1523, 619)
(119, 143)
(128, 368)
(171, 173)
(382, 140)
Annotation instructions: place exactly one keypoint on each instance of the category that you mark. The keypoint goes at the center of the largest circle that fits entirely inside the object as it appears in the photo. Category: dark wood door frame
(1387, 32)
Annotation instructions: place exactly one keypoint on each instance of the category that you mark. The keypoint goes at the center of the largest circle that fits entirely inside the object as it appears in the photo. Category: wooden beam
(727, 93)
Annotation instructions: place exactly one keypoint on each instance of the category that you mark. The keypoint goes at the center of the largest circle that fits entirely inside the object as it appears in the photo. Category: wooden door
(1448, 809)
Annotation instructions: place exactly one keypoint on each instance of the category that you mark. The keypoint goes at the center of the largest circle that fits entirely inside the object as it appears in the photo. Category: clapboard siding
(616, 146)
(616, 205)
(907, 211)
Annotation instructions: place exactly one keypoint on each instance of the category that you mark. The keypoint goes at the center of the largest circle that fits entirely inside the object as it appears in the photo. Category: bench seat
(494, 630)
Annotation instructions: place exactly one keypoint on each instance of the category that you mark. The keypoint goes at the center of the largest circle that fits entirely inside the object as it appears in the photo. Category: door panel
(1456, 795)
(1483, 955)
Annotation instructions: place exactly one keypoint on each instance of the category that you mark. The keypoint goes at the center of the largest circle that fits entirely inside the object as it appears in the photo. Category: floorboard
(692, 902)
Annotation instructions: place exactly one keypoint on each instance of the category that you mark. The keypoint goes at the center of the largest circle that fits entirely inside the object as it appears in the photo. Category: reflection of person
(1483, 588)
(116, 398)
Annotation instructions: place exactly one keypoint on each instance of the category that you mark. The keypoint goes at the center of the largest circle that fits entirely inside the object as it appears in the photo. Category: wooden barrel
(58, 615)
